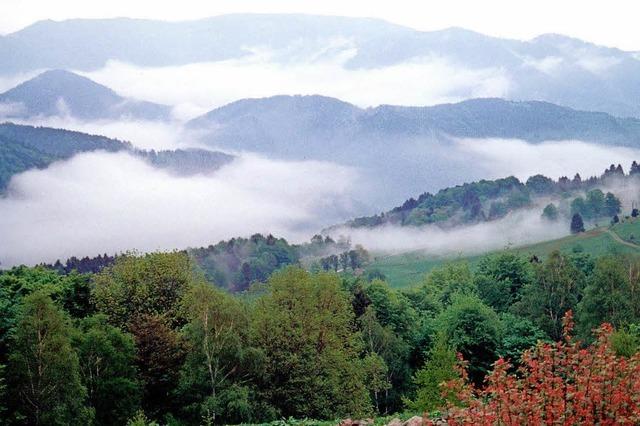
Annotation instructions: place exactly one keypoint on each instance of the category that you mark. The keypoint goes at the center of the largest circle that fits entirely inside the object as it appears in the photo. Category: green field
(409, 269)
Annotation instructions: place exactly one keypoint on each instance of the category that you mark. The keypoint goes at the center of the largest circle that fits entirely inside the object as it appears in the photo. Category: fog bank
(100, 202)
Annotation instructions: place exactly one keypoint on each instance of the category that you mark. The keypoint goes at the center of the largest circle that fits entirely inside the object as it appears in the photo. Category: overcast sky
(612, 23)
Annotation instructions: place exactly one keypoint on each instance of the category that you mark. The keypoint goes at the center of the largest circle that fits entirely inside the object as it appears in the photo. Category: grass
(629, 230)
(409, 269)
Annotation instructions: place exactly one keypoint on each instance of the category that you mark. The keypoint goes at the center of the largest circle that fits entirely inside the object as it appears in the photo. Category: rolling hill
(63, 93)
(401, 151)
(407, 269)
(27, 147)
(291, 125)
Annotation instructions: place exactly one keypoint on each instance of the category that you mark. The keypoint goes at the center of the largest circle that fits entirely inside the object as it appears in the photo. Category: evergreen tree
(577, 225)
(550, 212)
(612, 206)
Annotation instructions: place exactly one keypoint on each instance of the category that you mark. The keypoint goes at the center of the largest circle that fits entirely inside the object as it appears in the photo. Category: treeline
(487, 200)
(149, 338)
(237, 263)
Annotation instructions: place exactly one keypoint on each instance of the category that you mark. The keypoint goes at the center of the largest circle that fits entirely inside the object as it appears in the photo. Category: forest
(148, 340)
(488, 200)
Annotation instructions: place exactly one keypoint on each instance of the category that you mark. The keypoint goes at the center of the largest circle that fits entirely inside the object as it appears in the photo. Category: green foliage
(26, 147)
(577, 224)
(518, 335)
(439, 369)
(141, 420)
(540, 184)
(237, 263)
(474, 330)
(376, 377)
(550, 212)
(499, 279)
(107, 370)
(555, 290)
(625, 341)
(444, 282)
(147, 285)
(43, 367)
(217, 356)
(388, 353)
(610, 295)
(596, 205)
(3, 392)
(303, 325)
(159, 356)
(392, 308)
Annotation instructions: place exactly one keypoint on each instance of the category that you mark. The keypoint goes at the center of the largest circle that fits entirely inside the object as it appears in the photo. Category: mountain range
(551, 67)
(399, 150)
(63, 93)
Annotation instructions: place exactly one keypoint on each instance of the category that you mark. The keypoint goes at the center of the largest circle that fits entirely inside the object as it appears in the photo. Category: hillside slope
(408, 269)
(27, 147)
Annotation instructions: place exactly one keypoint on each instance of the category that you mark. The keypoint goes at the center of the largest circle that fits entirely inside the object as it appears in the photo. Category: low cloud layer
(504, 157)
(516, 229)
(142, 134)
(197, 88)
(101, 202)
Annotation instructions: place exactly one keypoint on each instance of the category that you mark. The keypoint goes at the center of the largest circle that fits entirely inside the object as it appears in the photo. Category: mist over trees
(489, 200)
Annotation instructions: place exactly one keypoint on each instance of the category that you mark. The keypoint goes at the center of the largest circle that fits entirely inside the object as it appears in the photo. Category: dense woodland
(149, 339)
(488, 200)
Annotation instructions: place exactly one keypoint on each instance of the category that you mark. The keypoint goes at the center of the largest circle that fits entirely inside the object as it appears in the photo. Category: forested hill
(488, 200)
(326, 127)
(60, 92)
(27, 147)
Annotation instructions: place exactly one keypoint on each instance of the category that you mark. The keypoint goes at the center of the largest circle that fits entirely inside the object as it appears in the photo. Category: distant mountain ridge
(61, 93)
(286, 124)
(398, 150)
(551, 67)
(26, 147)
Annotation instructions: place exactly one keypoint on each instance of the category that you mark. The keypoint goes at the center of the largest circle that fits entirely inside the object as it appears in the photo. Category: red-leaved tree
(558, 383)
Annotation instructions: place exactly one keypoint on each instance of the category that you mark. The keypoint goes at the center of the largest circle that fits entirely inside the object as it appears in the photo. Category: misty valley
(297, 219)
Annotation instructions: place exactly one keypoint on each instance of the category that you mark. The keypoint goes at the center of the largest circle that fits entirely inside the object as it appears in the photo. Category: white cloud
(8, 109)
(198, 88)
(100, 202)
(597, 64)
(142, 134)
(504, 157)
(519, 228)
(547, 65)
(10, 81)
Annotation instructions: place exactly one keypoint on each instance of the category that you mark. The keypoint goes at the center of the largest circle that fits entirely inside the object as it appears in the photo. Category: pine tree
(577, 224)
